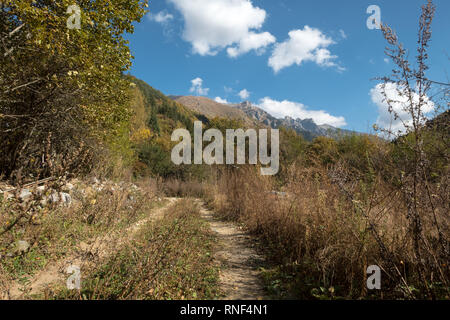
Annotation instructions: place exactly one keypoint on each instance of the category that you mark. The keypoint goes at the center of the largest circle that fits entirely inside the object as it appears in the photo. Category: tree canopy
(61, 89)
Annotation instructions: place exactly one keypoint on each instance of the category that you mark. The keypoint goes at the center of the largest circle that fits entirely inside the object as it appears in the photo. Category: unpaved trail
(85, 253)
(238, 259)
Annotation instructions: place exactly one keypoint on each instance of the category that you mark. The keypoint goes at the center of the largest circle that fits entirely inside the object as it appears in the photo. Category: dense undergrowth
(332, 218)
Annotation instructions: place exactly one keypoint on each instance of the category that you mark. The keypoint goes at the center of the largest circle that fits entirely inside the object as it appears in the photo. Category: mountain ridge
(252, 114)
(306, 127)
(212, 109)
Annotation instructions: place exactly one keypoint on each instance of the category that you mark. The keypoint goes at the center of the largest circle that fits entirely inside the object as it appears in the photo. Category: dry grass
(322, 234)
(54, 231)
(171, 258)
(178, 188)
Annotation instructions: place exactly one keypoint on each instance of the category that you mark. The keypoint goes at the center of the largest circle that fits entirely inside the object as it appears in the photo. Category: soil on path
(240, 276)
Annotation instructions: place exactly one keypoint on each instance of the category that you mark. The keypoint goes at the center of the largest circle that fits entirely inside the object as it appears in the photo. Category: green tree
(62, 91)
(153, 122)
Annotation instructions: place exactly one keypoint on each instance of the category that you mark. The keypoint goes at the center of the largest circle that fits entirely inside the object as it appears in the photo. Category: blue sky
(310, 59)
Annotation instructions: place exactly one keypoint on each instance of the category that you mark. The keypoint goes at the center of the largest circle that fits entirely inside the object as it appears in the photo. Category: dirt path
(85, 253)
(239, 261)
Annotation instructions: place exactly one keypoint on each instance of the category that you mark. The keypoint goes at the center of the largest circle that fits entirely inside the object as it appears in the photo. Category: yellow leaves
(141, 135)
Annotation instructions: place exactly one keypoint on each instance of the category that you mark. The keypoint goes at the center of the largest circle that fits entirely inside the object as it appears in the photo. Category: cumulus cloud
(399, 103)
(162, 17)
(213, 25)
(244, 94)
(220, 100)
(343, 34)
(309, 44)
(197, 87)
(253, 41)
(281, 109)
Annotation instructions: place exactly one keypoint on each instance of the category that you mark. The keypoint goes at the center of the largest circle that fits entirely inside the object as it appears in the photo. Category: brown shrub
(328, 226)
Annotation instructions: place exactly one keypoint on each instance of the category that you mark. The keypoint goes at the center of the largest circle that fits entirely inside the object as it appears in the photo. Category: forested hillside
(157, 117)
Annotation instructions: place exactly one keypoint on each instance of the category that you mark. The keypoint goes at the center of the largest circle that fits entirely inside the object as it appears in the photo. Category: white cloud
(197, 87)
(244, 94)
(399, 103)
(309, 44)
(162, 17)
(343, 34)
(253, 41)
(281, 109)
(386, 60)
(220, 100)
(213, 25)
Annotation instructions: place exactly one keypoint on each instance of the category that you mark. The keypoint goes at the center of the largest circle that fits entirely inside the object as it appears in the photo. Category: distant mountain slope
(306, 127)
(212, 109)
(163, 114)
(253, 115)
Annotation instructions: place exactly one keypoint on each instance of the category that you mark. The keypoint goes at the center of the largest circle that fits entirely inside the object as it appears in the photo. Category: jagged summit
(306, 127)
(252, 114)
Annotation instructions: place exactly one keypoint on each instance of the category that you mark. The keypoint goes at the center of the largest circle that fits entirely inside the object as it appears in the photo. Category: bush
(57, 115)
(328, 226)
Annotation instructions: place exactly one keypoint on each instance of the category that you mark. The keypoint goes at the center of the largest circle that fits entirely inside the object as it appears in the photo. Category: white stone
(66, 199)
(40, 190)
(55, 198)
(25, 195)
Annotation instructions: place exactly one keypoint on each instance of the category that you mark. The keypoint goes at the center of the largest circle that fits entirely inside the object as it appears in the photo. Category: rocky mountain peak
(306, 127)
(246, 104)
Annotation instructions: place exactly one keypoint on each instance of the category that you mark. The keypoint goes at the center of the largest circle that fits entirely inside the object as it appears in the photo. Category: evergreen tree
(153, 122)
